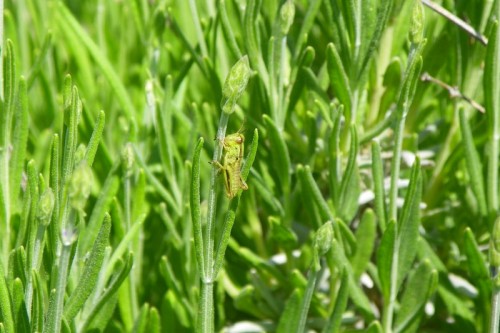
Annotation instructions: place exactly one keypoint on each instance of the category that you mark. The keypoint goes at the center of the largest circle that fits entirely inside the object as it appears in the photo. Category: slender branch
(495, 310)
(456, 20)
(453, 91)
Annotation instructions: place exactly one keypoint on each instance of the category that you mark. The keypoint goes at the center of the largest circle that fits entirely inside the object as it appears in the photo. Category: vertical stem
(53, 322)
(388, 314)
(306, 301)
(1, 51)
(61, 286)
(206, 309)
(395, 165)
(131, 278)
(492, 188)
(209, 236)
(495, 310)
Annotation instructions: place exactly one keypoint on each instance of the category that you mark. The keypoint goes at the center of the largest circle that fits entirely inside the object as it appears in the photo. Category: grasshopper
(231, 167)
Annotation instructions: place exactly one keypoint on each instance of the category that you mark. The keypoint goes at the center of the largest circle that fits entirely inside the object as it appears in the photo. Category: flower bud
(80, 185)
(45, 207)
(236, 82)
(324, 238)
(128, 159)
(287, 13)
(80, 153)
(417, 23)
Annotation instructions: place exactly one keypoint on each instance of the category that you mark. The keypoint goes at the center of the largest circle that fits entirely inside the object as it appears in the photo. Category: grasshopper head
(234, 139)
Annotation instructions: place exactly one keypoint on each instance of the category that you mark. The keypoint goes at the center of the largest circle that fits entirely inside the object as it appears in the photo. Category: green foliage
(371, 156)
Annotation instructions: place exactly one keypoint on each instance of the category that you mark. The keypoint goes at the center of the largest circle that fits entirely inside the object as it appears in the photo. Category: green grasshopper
(231, 167)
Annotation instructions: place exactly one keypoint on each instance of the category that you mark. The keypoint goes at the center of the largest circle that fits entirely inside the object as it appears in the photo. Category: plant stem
(1, 51)
(495, 310)
(131, 281)
(389, 304)
(212, 201)
(61, 285)
(206, 309)
(395, 165)
(306, 301)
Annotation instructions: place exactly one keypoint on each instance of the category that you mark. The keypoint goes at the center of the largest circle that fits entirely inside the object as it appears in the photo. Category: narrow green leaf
(311, 188)
(88, 279)
(384, 13)
(95, 139)
(169, 223)
(425, 252)
(140, 205)
(296, 85)
(174, 316)
(195, 208)
(476, 262)
(49, 324)
(334, 156)
(492, 102)
(101, 207)
(245, 170)
(378, 185)
(349, 186)
(154, 321)
(54, 183)
(8, 95)
(338, 77)
(222, 245)
(282, 234)
(474, 167)
(290, 316)
(37, 308)
(365, 240)
(121, 271)
(281, 156)
(356, 293)
(306, 26)
(420, 286)
(71, 117)
(158, 186)
(251, 41)
(163, 126)
(173, 283)
(19, 265)
(122, 247)
(228, 30)
(306, 301)
(19, 307)
(335, 319)
(408, 224)
(366, 22)
(385, 258)
(349, 13)
(374, 327)
(141, 322)
(19, 142)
